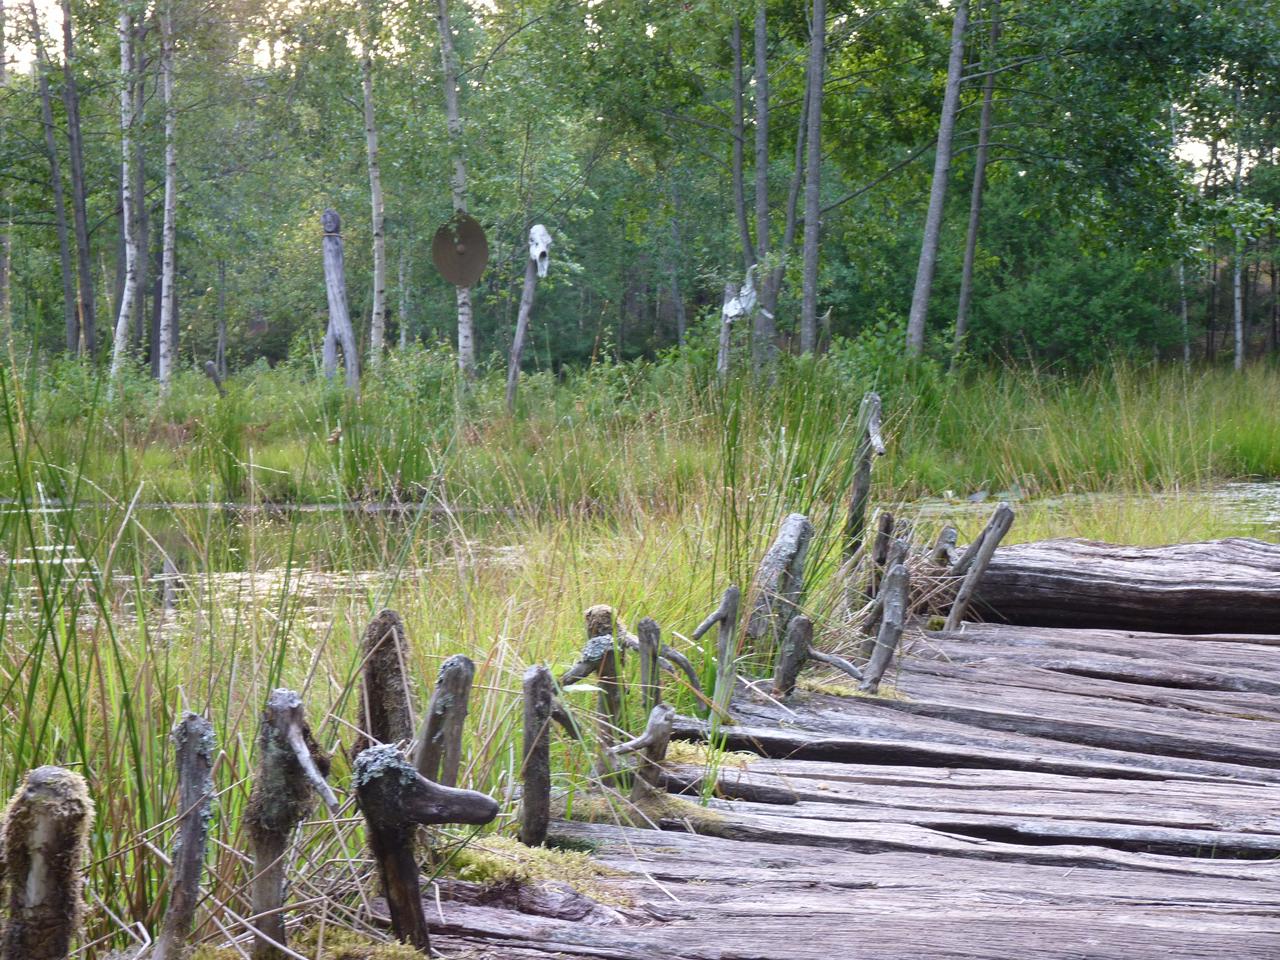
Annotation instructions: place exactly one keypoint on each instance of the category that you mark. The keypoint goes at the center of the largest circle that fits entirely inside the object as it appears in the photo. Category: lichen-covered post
(439, 754)
(870, 446)
(650, 679)
(792, 655)
(194, 743)
(535, 802)
(44, 840)
(291, 765)
(395, 798)
(778, 584)
(895, 590)
(975, 562)
(386, 704)
(725, 618)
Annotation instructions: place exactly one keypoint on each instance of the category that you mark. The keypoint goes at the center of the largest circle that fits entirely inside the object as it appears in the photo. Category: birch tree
(378, 319)
(168, 320)
(453, 119)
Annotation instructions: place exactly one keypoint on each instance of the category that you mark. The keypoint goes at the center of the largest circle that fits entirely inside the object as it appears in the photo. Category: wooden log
(395, 798)
(291, 765)
(725, 618)
(1219, 586)
(535, 769)
(386, 703)
(195, 745)
(439, 753)
(779, 584)
(650, 642)
(339, 332)
(896, 591)
(976, 567)
(792, 656)
(870, 446)
(44, 839)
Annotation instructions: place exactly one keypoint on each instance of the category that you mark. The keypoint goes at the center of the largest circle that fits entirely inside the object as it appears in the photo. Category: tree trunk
(1237, 260)
(979, 183)
(142, 226)
(71, 321)
(772, 287)
(6, 238)
(764, 330)
(120, 345)
(340, 331)
(71, 99)
(168, 317)
(466, 331)
(813, 182)
(220, 352)
(522, 330)
(378, 322)
(673, 268)
(739, 147)
(403, 299)
(938, 189)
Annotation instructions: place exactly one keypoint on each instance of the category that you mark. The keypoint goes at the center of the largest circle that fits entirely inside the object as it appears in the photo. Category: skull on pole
(539, 247)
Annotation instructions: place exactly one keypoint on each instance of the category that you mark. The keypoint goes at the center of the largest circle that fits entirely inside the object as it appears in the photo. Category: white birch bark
(120, 343)
(169, 230)
(378, 322)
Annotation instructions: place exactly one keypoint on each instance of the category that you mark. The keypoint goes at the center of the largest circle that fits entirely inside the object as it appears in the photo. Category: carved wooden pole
(195, 746)
(976, 559)
(535, 802)
(896, 589)
(725, 617)
(870, 446)
(290, 766)
(792, 655)
(394, 798)
(335, 283)
(386, 704)
(44, 839)
(439, 755)
(650, 678)
(779, 583)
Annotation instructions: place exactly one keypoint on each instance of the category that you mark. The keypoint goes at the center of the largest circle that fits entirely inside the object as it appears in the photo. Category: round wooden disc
(460, 250)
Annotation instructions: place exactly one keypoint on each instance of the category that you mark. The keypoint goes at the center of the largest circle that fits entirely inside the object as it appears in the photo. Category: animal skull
(539, 247)
(745, 301)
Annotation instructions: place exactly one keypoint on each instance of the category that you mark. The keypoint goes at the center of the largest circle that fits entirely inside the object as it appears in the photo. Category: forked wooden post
(45, 837)
(394, 799)
(652, 747)
(439, 754)
(535, 802)
(725, 617)
(386, 703)
(870, 446)
(975, 562)
(194, 743)
(291, 765)
(779, 583)
(896, 589)
(650, 677)
(792, 656)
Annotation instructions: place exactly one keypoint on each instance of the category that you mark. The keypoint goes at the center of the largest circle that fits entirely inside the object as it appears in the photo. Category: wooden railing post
(725, 617)
(650, 677)
(439, 754)
(386, 704)
(975, 560)
(535, 770)
(870, 446)
(896, 589)
(792, 656)
(778, 584)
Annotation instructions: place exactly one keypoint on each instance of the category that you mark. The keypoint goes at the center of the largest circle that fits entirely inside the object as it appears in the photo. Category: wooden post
(335, 283)
(650, 678)
(290, 766)
(45, 837)
(726, 335)
(652, 747)
(601, 622)
(725, 617)
(792, 655)
(394, 798)
(779, 583)
(522, 329)
(880, 550)
(870, 446)
(386, 705)
(439, 754)
(896, 588)
(194, 743)
(981, 553)
(211, 371)
(944, 548)
(535, 771)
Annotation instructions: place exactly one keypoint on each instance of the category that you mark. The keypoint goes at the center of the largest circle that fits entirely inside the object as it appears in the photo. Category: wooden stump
(386, 703)
(896, 591)
(792, 656)
(778, 584)
(45, 839)
(650, 677)
(535, 770)
(725, 618)
(439, 754)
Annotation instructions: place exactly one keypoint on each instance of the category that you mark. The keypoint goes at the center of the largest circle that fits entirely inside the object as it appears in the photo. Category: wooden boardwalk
(1024, 793)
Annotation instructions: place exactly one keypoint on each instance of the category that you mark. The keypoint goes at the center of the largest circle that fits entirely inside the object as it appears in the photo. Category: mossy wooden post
(535, 770)
(778, 584)
(44, 839)
(290, 767)
(335, 283)
(194, 744)
(975, 561)
(386, 704)
(439, 754)
(650, 678)
(870, 446)
(395, 799)
(725, 617)
(792, 655)
(895, 590)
